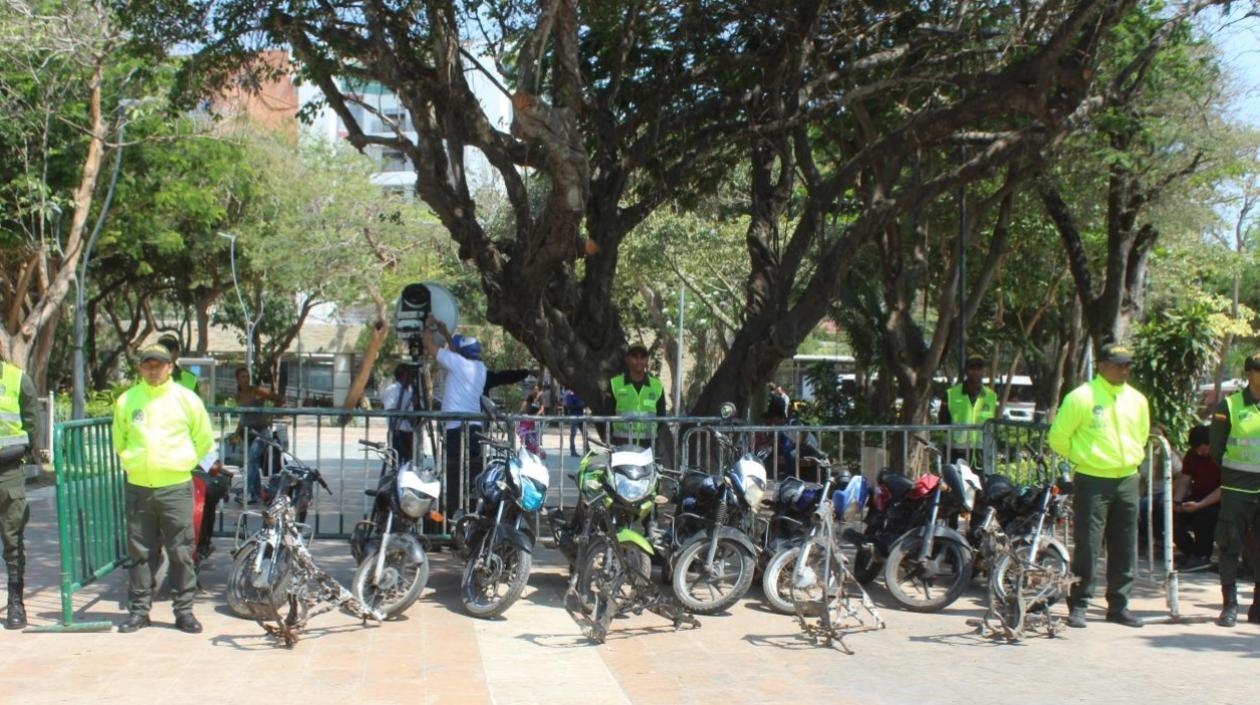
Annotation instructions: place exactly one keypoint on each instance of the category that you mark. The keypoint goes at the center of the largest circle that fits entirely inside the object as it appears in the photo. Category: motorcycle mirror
(727, 410)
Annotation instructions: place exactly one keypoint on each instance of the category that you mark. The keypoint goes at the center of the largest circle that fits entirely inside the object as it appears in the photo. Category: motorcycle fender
(409, 544)
(518, 538)
(941, 532)
(634, 537)
(725, 532)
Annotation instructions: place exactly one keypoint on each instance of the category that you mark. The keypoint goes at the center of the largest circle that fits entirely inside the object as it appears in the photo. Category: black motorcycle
(930, 565)
(893, 510)
(393, 565)
(497, 538)
(714, 562)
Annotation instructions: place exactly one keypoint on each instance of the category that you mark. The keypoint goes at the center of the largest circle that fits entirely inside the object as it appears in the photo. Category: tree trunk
(22, 345)
(380, 331)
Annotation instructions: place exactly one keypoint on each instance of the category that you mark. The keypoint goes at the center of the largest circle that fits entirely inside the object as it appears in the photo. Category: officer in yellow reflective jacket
(966, 403)
(636, 393)
(1101, 429)
(21, 436)
(161, 431)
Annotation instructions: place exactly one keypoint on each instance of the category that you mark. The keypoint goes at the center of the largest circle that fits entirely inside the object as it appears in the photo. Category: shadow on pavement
(1239, 642)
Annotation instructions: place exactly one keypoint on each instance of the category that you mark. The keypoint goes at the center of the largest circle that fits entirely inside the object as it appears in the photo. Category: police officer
(1235, 443)
(635, 392)
(161, 432)
(21, 435)
(1102, 428)
(966, 403)
(182, 377)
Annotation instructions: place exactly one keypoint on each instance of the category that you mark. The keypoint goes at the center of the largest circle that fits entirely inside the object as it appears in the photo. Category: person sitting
(1195, 521)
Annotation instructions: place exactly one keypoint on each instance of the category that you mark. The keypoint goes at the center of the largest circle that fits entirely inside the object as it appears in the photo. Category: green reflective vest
(1102, 429)
(160, 433)
(11, 431)
(1242, 450)
(963, 411)
(635, 402)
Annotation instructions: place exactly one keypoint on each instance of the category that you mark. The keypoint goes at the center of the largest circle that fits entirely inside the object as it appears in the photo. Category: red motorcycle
(209, 488)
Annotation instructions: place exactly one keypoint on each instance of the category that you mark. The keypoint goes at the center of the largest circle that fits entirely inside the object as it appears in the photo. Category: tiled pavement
(536, 654)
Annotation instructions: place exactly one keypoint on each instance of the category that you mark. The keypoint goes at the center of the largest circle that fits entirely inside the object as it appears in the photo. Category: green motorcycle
(610, 554)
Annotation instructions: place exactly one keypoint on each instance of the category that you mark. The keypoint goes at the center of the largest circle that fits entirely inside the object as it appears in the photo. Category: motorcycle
(714, 561)
(209, 488)
(1030, 570)
(932, 554)
(893, 509)
(393, 566)
(273, 570)
(612, 557)
(497, 539)
(795, 502)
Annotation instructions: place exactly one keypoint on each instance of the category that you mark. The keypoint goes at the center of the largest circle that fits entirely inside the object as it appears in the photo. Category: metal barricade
(789, 449)
(91, 513)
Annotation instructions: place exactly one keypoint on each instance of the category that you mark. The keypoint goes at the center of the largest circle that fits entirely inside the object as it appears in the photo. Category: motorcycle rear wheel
(492, 583)
(400, 583)
(866, 564)
(918, 592)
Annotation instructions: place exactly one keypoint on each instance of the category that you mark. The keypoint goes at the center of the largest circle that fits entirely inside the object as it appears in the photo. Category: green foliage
(1174, 351)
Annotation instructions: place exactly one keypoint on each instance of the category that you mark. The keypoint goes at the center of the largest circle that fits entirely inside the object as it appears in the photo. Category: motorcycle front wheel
(1050, 556)
(399, 584)
(705, 591)
(242, 596)
(929, 586)
(494, 581)
(776, 580)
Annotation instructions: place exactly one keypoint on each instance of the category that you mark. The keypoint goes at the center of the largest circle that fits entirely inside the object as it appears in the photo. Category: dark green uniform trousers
(1240, 511)
(1104, 509)
(160, 518)
(14, 513)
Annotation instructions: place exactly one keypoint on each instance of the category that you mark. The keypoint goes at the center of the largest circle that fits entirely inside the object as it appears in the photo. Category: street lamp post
(250, 322)
(78, 403)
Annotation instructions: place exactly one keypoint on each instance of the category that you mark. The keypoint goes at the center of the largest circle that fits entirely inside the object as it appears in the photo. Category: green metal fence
(91, 512)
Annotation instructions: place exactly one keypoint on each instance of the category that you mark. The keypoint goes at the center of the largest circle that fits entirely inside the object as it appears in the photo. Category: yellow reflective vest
(160, 433)
(963, 411)
(11, 431)
(1242, 449)
(635, 402)
(1102, 429)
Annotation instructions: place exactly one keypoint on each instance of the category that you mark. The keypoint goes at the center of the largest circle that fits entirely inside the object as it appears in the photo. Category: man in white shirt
(461, 393)
(397, 397)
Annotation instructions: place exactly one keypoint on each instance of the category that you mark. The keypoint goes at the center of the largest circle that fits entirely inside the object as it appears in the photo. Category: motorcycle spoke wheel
(493, 581)
(931, 584)
(396, 587)
(706, 591)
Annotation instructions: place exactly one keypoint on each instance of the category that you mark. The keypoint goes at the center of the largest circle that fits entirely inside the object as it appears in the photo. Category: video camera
(416, 303)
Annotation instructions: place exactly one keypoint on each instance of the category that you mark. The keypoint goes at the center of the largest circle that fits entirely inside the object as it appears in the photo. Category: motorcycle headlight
(412, 503)
(531, 495)
(753, 492)
(632, 490)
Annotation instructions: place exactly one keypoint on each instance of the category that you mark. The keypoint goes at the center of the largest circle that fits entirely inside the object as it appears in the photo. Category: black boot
(1229, 610)
(16, 616)
(1253, 614)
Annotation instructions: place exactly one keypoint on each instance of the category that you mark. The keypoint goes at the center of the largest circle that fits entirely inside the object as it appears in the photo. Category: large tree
(621, 107)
